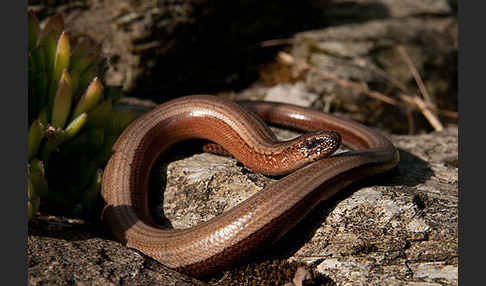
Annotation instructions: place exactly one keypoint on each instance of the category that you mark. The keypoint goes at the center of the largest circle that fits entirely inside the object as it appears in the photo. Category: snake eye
(310, 143)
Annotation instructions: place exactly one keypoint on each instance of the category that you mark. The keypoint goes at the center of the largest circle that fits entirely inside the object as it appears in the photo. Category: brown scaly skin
(261, 219)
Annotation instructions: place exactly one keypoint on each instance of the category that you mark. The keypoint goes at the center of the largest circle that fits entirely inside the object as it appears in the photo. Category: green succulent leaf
(86, 77)
(33, 28)
(80, 60)
(113, 93)
(120, 120)
(99, 116)
(33, 200)
(49, 38)
(86, 174)
(58, 136)
(75, 75)
(76, 146)
(62, 102)
(37, 177)
(96, 137)
(71, 119)
(62, 55)
(38, 83)
(32, 89)
(87, 61)
(48, 48)
(30, 210)
(36, 134)
(55, 25)
(91, 195)
(30, 190)
(43, 117)
(107, 148)
(54, 138)
(90, 141)
(75, 126)
(90, 98)
(36, 166)
(85, 146)
(49, 44)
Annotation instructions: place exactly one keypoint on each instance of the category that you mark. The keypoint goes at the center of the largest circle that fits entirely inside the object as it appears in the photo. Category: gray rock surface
(397, 229)
(372, 55)
(361, 10)
(293, 94)
(68, 252)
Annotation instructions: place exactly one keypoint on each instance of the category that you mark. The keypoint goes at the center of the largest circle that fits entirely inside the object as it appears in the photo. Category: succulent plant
(72, 126)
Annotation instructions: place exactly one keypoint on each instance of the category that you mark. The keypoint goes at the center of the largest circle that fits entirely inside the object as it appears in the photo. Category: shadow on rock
(65, 228)
(220, 47)
(410, 172)
(341, 13)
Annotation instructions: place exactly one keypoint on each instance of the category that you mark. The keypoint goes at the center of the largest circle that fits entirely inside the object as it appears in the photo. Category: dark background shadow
(221, 50)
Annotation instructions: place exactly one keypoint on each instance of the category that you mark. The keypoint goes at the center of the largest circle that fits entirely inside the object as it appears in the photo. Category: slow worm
(263, 218)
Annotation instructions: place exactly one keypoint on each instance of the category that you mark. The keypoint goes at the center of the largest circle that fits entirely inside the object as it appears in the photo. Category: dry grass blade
(406, 101)
(429, 115)
(436, 124)
(418, 79)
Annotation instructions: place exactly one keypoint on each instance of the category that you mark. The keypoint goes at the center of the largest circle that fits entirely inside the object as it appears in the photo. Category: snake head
(316, 145)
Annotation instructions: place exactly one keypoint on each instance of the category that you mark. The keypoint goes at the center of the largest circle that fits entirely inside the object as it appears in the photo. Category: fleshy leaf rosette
(72, 125)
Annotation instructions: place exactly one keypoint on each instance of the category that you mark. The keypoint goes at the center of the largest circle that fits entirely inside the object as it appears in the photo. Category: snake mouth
(319, 144)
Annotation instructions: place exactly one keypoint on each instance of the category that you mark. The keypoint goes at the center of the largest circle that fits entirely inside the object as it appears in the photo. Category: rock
(68, 252)
(347, 65)
(371, 54)
(300, 276)
(344, 11)
(293, 94)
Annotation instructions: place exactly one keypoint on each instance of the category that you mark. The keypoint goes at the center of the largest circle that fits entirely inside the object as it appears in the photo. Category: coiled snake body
(264, 217)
